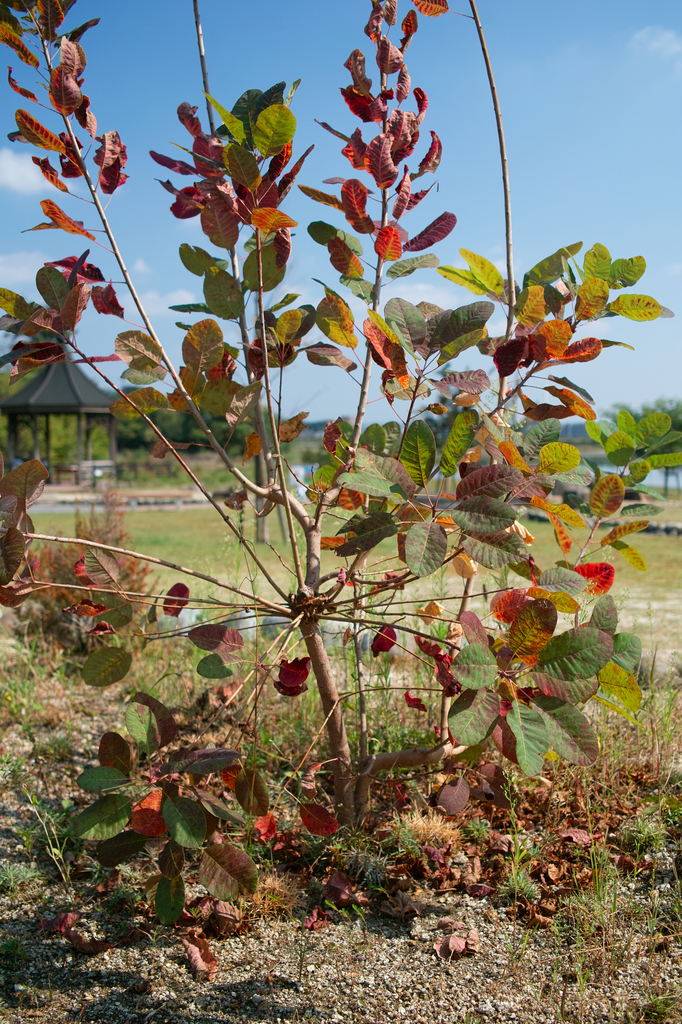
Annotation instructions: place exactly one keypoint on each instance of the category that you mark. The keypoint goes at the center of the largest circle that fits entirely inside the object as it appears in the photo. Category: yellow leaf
(514, 456)
(619, 711)
(464, 566)
(621, 684)
(624, 529)
(565, 513)
(562, 602)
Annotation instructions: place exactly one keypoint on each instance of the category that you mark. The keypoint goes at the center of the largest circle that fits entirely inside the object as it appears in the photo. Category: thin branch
(202, 59)
(511, 287)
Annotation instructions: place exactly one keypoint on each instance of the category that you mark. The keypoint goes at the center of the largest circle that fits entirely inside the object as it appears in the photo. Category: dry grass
(276, 896)
(429, 829)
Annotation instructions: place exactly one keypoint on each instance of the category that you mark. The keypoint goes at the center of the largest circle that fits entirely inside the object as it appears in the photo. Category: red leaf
(431, 161)
(200, 956)
(409, 26)
(339, 891)
(291, 680)
(385, 352)
(81, 574)
(90, 946)
(59, 923)
(101, 629)
(416, 198)
(439, 229)
(431, 8)
(218, 639)
(389, 57)
(479, 889)
(86, 272)
(387, 245)
(85, 607)
(506, 605)
(172, 164)
(49, 173)
(577, 835)
(383, 640)
(317, 819)
(355, 150)
(354, 200)
(359, 104)
(65, 94)
(186, 117)
(331, 435)
(414, 702)
(266, 827)
(402, 196)
(147, 819)
(176, 600)
(510, 356)
(106, 301)
(599, 574)
(379, 161)
(86, 118)
(189, 203)
(230, 774)
(317, 919)
(282, 246)
(111, 157)
(422, 103)
(402, 89)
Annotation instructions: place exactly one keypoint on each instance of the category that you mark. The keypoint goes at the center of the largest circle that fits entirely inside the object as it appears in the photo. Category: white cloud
(675, 269)
(19, 174)
(157, 304)
(661, 42)
(20, 267)
(140, 267)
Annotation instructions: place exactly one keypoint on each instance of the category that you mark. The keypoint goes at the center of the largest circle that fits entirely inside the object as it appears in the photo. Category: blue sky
(590, 94)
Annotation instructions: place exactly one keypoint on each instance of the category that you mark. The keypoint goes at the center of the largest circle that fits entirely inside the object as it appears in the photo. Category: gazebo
(61, 389)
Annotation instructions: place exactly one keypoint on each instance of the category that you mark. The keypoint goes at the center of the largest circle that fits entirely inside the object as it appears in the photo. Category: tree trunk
(336, 729)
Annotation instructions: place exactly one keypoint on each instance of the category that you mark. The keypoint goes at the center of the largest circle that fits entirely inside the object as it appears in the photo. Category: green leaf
(374, 438)
(226, 871)
(15, 304)
(625, 273)
(485, 272)
(473, 716)
(419, 452)
(620, 683)
(213, 667)
(361, 289)
(627, 651)
(223, 294)
(426, 546)
(130, 345)
(232, 123)
(146, 400)
(530, 733)
(251, 791)
(626, 423)
(274, 128)
(652, 427)
(379, 477)
(242, 166)
(170, 899)
(541, 434)
(101, 779)
(576, 654)
(636, 307)
(11, 553)
(119, 611)
(52, 286)
(570, 734)
(661, 461)
(464, 278)
(619, 448)
(562, 581)
(630, 554)
(149, 722)
(558, 457)
(321, 232)
(407, 321)
(640, 509)
(106, 666)
(597, 262)
(334, 318)
(550, 269)
(475, 667)
(186, 821)
(483, 515)
(404, 267)
(120, 847)
(369, 532)
(460, 439)
(272, 274)
(105, 818)
(215, 806)
(171, 859)
(198, 261)
(605, 615)
(495, 550)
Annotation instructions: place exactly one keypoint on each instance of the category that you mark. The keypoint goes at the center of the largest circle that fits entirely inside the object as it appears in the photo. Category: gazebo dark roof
(59, 388)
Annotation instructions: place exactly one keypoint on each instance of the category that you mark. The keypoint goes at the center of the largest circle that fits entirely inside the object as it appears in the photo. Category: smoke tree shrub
(518, 680)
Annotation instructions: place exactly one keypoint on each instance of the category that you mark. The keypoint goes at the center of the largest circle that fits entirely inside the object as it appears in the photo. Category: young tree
(513, 680)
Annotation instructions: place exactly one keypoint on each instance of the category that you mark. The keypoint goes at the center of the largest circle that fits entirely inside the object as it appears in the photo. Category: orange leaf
(600, 575)
(507, 605)
(624, 529)
(230, 774)
(556, 335)
(607, 495)
(35, 132)
(146, 818)
(61, 220)
(26, 93)
(387, 245)
(583, 351)
(343, 259)
(271, 220)
(49, 173)
(321, 197)
(563, 538)
(431, 8)
(331, 543)
(252, 447)
(577, 406)
(514, 456)
(11, 39)
(350, 500)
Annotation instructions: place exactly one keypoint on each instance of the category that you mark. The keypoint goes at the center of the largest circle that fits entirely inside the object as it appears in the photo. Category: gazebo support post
(79, 445)
(11, 440)
(36, 436)
(48, 439)
(112, 443)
